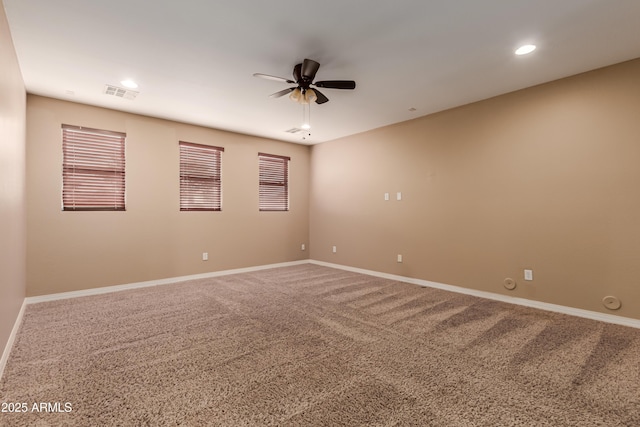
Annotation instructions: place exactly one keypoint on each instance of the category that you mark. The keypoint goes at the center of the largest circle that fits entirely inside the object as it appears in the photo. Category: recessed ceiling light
(130, 84)
(527, 48)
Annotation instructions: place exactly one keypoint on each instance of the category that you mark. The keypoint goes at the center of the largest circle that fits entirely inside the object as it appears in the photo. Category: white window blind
(274, 182)
(200, 177)
(93, 169)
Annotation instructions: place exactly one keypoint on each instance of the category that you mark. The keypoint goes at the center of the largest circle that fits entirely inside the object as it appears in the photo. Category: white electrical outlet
(334, 250)
(398, 195)
(386, 196)
(399, 258)
(302, 247)
(528, 275)
(205, 256)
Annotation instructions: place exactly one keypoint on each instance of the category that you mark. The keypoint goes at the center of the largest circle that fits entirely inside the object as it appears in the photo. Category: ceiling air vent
(120, 92)
(294, 130)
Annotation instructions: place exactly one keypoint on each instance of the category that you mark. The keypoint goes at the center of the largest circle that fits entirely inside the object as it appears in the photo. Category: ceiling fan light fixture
(295, 95)
(310, 96)
(304, 99)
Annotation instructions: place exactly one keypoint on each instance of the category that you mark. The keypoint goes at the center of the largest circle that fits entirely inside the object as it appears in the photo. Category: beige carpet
(314, 346)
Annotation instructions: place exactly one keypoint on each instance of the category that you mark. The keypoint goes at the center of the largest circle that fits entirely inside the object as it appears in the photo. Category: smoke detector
(120, 92)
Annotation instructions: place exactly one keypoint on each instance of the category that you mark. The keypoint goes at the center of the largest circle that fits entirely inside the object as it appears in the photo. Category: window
(274, 182)
(200, 177)
(92, 169)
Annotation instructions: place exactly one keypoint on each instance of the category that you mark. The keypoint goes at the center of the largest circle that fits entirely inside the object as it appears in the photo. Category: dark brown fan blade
(268, 77)
(309, 69)
(297, 70)
(281, 93)
(321, 98)
(337, 84)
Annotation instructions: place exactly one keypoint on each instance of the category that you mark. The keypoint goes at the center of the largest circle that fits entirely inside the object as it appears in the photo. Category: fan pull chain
(306, 120)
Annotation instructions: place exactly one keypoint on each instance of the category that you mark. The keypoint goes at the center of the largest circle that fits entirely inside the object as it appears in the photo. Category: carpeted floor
(314, 346)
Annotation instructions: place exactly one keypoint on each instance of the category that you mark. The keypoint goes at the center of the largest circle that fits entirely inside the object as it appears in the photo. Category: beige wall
(12, 184)
(546, 178)
(78, 250)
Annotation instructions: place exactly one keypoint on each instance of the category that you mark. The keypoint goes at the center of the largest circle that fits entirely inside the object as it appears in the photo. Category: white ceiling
(194, 59)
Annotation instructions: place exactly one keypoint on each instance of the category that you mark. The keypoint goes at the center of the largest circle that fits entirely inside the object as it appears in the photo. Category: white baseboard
(593, 315)
(116, 288)
(12, 338)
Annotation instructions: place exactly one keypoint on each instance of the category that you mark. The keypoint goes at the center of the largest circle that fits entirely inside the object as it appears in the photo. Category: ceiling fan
(303, 75)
